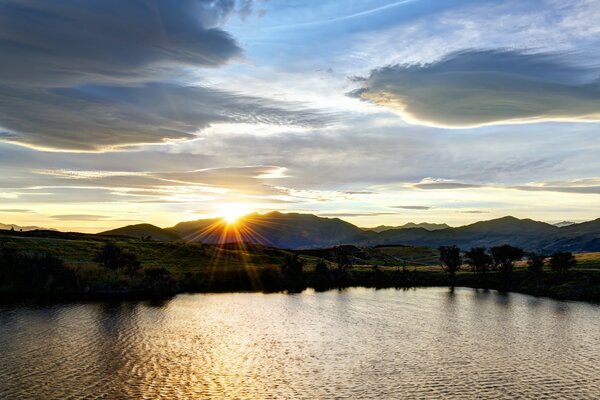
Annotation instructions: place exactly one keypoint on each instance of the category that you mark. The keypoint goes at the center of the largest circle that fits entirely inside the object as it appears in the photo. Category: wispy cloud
(413, 207)
(80, 217)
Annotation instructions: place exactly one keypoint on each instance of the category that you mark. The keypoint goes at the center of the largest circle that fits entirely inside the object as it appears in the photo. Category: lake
(355, 343)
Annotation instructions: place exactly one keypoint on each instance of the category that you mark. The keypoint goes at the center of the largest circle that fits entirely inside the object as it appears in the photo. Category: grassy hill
(144, 231)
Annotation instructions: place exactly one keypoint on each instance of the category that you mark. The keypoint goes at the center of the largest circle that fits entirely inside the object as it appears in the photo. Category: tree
(562, 261)
(342, 258)
(535, 263)
(113, 257)
(505, 257)
(450, 260)
(478, 259)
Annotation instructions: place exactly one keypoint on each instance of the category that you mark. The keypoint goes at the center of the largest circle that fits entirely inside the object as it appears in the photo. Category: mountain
(8, 227)
(424, 225)
(306, 231)
(144, 231)
(275, 229)
(519, 232)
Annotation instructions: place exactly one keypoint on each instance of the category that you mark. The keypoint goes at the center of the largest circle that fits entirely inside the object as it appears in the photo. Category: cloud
(15, 210)
(438, 183)
(167, 186)
(96, 117)
(354, 214)
(581, 186)
(473, 212)
(485, 87)
(75, 41)
(88, 75)
(79, 217)
(413, 207)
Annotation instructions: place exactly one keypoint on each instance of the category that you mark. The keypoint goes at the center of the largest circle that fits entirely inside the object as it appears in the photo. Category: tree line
(502, 259)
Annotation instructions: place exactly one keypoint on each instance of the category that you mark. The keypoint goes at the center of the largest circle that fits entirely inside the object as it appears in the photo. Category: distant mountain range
(424, 225)
(295, 231)
(8, 227)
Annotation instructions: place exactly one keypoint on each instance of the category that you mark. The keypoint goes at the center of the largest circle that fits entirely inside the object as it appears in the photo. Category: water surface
(357, 343)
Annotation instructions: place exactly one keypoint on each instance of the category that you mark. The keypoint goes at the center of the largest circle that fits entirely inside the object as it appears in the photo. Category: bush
(113, 257)
(34, 273)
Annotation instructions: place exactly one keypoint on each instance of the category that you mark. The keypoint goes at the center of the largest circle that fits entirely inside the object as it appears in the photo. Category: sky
(377, 112)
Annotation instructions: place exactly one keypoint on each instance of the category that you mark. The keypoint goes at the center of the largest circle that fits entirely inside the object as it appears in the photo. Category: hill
(143, 231)
(424, 225)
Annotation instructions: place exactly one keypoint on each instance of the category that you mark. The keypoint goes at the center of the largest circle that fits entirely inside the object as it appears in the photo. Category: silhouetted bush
(271, 280)
(113, 257)
(159, 281)
(292, 264)
(321, 268)
(562, 261)
(34, 273)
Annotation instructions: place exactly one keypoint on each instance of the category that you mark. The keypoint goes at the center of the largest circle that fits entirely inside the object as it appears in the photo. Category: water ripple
(358, 343)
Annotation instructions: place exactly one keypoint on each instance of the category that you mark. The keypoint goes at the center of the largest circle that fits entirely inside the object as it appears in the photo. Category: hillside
(409, 225)
(143, 231)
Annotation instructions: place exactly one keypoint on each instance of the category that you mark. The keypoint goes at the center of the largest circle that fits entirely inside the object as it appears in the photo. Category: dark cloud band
(474, 88)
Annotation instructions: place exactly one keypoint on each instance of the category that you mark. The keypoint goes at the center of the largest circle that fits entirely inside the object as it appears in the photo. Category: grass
(170, 268)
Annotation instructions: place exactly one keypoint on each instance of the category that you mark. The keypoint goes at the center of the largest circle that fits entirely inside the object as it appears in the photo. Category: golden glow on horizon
(232, 212)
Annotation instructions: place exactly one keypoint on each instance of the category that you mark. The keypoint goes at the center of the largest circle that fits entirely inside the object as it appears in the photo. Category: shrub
(113, 257)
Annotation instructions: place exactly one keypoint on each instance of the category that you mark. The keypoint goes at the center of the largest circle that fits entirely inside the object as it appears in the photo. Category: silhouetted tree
(505, 257)
(562, 261)
(113, 257)
(478, 259)
(535, 263)
(450, 260)
(342, 258)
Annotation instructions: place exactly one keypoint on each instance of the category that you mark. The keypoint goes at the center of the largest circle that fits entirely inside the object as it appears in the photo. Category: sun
(231, 213)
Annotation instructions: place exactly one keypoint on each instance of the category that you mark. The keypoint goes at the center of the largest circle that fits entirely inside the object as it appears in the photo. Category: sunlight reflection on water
(356, 343)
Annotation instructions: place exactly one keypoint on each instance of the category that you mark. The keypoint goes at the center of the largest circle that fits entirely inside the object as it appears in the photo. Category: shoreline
(575, 286)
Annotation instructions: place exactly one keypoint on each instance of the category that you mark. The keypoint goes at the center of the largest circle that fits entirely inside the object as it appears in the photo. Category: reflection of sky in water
(428, 343)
